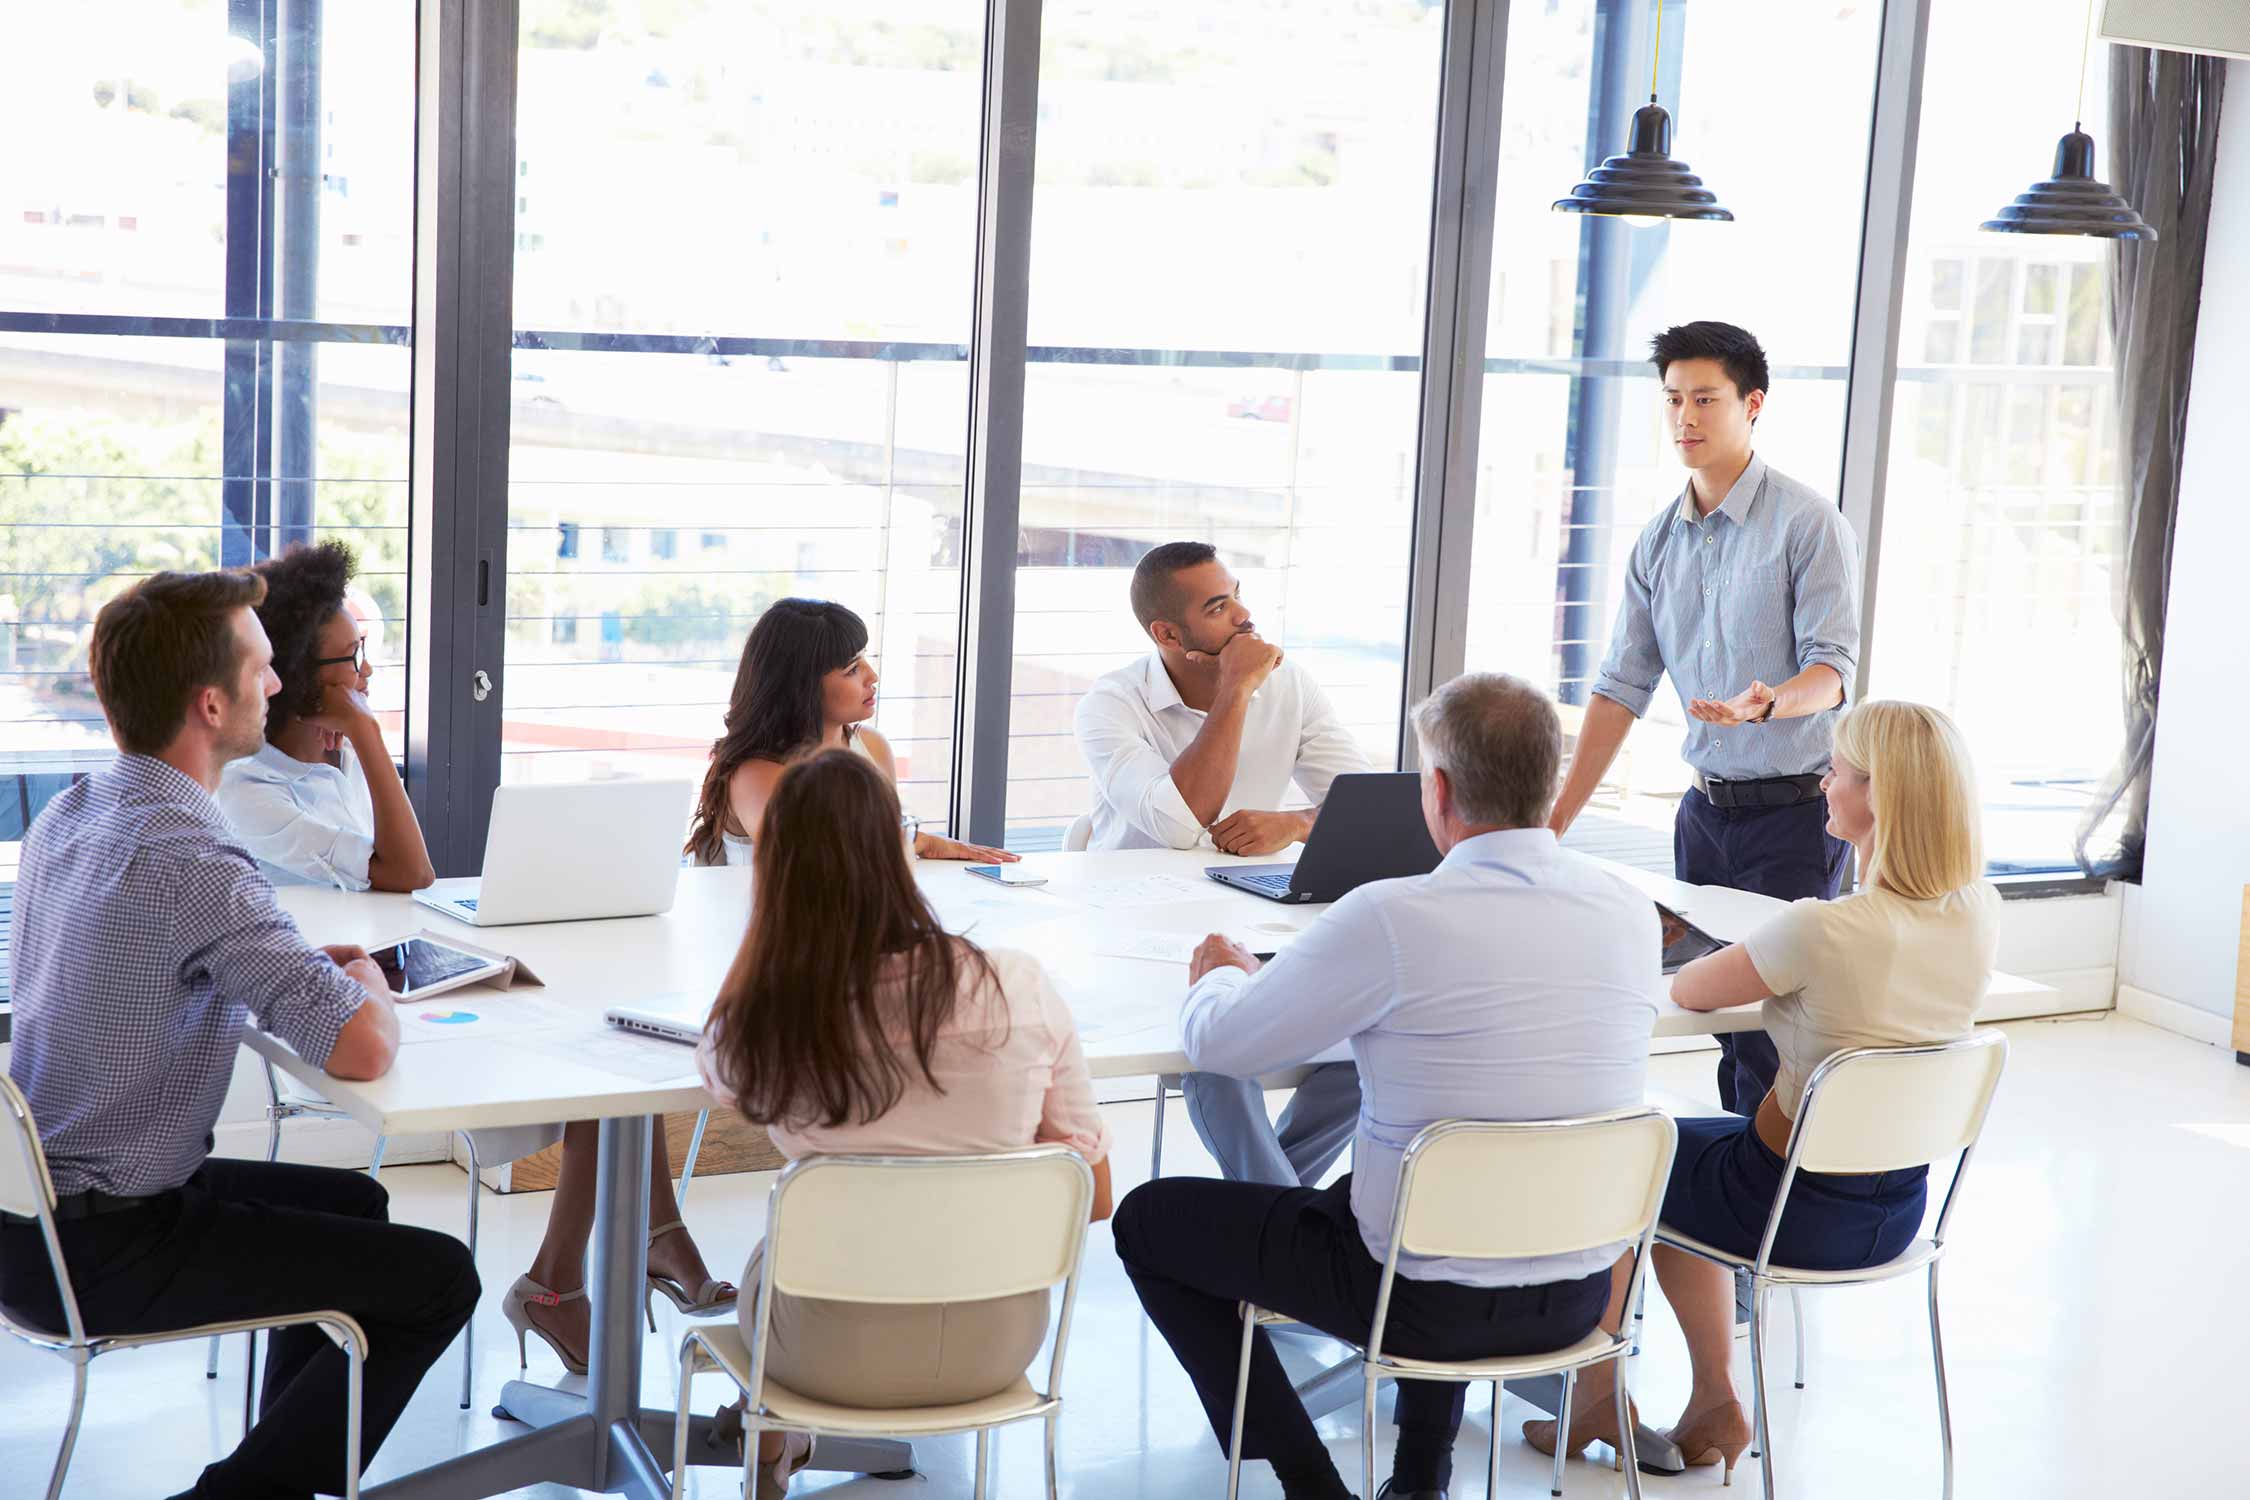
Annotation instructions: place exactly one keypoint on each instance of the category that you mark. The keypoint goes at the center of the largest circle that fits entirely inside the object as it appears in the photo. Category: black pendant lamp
(1646, 184)
(2073, 201)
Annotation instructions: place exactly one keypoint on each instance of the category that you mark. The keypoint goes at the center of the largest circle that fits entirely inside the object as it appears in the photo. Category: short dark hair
(1154, 598)
(160, 643)
(1736, 349)
(1499, 741)
(304, 590)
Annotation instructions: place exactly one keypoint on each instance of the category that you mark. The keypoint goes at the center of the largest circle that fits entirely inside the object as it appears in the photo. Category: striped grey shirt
(1760, 589)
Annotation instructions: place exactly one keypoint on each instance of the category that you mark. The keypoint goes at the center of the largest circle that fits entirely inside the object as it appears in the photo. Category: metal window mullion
(992, 512)
(1453, 343)
(1894, 138)
(464, 268)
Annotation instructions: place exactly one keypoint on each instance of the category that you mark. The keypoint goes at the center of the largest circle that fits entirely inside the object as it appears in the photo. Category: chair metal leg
(984, 1461)
(1054, 1474)
(1797, 1320)
(1492, 1463)
(1760, 1423)
(680, 1422)
(352, 1388)
(211, 1363)
(1628, 1452)
(70, 1429)
(249, 1381)
(1241, 1398)
(694, 1149)
(1562, 1428)
(1944, 1406)
(750, 1436)
(1369, 1415)
(1640, 1312)
(469, 1329)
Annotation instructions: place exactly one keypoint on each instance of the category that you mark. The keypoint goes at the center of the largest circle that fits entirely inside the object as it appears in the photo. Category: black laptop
(1370, 828)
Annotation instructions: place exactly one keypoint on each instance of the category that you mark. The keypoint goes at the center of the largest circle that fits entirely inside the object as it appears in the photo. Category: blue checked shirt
(144, 935)
(1760, 589)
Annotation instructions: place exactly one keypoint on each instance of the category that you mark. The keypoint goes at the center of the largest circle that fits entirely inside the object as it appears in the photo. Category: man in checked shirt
(1746, 593)
(144, 939)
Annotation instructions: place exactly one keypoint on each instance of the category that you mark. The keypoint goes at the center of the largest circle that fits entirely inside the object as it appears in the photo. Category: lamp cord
(1656, 55)
(2085, 48)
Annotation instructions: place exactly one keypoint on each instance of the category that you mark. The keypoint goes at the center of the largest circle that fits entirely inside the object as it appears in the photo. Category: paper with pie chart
(476, 1014)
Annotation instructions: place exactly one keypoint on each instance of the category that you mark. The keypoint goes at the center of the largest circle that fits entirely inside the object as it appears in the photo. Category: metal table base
(604, 1440)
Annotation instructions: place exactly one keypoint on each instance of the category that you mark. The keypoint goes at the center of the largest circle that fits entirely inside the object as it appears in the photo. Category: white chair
(1485, 1190)
(982, 1227)
(27, 1191)
(1871, 1109)
(1079, 834)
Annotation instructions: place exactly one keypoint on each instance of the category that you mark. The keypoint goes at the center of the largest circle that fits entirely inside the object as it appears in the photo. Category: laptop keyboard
(1276, 884)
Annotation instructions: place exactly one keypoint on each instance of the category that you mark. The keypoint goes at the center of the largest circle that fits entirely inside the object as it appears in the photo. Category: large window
(1573, 460)
(187, 172)
(2000, 520)
(745, 240)
(1229, 258)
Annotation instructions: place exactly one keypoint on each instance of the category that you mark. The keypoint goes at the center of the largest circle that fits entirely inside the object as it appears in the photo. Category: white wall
(2183, 923)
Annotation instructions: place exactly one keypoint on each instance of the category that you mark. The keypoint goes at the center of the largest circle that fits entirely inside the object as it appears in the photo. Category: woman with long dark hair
(851, 1021)
(805, 685)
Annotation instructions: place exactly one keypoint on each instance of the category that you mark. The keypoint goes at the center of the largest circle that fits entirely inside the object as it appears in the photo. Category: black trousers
(1196, 1248)
(1784, 852)
(253, 1239)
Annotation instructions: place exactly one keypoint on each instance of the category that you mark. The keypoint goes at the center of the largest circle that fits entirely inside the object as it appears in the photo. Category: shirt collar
(271, 763)
(1159, 689)
(153, 780)
(1736, 506)
(1517, 849)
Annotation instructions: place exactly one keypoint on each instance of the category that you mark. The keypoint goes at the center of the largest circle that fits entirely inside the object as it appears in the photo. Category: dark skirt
(1725, 1180)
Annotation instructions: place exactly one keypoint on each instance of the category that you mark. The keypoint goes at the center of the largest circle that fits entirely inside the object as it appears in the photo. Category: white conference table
(1113, 928)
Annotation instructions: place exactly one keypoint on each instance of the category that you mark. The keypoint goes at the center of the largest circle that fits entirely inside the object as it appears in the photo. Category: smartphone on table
(1008, 874)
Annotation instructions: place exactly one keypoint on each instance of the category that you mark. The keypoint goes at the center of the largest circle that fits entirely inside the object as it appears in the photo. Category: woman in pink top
(852, 1021)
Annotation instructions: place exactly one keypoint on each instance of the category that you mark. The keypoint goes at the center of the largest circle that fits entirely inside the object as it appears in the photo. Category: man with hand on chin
(1746, 593)
(1203, 736)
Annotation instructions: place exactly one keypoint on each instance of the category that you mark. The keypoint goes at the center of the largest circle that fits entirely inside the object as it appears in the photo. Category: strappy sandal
(714, 1296)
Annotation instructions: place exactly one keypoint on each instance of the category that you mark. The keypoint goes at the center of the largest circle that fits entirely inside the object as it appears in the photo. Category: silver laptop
(573, 851)
(671, 1018)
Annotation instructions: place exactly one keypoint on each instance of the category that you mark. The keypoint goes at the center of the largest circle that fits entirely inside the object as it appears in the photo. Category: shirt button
(1711, 538)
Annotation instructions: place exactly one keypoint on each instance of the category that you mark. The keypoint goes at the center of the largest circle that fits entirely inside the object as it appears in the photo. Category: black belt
(91, 1204)
(1766, 791)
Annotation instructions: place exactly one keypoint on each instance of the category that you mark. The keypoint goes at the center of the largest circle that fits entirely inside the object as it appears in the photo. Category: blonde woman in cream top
(1904, 960)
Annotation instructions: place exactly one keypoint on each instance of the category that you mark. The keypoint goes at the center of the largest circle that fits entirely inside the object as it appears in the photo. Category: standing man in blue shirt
(144, 939)
(1517, 981)
(1746, 593)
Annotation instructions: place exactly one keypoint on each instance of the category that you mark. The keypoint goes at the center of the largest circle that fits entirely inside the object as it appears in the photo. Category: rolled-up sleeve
(1325, 748)
(1635, 664)
(1824, 583)
(277, 831)
(232, 932)
(1129, 772)
(1333, 983)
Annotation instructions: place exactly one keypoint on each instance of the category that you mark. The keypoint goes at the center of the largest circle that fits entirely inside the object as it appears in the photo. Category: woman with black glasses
(321, 803)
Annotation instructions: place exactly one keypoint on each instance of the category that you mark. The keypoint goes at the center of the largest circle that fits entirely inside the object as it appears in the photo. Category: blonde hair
(1922, 786)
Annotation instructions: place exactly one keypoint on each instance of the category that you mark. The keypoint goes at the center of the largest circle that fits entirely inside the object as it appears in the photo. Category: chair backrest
(1485, 1190)
(928, 1229)
(25, 1187)
(1882, 1109)
(1079, 834)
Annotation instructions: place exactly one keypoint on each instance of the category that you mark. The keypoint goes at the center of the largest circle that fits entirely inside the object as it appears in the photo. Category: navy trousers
(1785, 852)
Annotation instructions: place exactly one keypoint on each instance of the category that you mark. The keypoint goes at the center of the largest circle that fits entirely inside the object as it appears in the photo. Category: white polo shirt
(1131, 726)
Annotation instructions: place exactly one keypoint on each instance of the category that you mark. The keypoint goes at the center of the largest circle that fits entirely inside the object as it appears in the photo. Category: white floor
(2117, 1167)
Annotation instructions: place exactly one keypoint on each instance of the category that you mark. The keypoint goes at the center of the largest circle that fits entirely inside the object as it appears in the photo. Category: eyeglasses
(358, 658)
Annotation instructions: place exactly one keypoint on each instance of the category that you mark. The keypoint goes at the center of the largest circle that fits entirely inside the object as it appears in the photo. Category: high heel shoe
(1590, 1422)
(773, 1474)
(713, 1296)
(1714, 1435)
(516, 1308)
